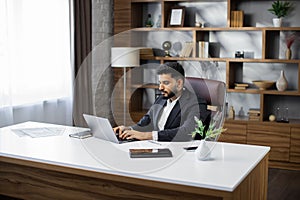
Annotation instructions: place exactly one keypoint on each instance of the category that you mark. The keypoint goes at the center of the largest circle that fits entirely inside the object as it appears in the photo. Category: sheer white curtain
(35, 61)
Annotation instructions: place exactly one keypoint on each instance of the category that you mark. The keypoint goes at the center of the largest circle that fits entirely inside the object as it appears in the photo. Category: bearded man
(171, 117)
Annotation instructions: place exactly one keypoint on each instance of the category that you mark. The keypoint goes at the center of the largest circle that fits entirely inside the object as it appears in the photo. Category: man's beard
(169, 96)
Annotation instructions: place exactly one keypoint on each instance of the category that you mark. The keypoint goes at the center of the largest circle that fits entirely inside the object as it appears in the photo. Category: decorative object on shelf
(158, 52)
(289, 40)
(263, 84)
(237, 18)
(281, 83)
(254, 114)
(241, 112)
(209, 137)
(124, 57)
(176, 16)
(158, 22)
(198, 24)
(249, 54)
(231, 114)
(280, 9)
(282, 114)
(272, 118)
(167, 45)
(288, 53)
(239, 54)
(149, 21)
(203, 49)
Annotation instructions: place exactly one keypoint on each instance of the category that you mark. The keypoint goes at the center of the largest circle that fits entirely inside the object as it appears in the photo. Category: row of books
(254, 114)
(203, 49)
(237, 18)
(186, 50)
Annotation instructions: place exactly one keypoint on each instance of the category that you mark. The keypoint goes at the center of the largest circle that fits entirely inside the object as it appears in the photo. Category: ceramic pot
(203, 152)
(277, 22)
(281, 83)
(288, 54)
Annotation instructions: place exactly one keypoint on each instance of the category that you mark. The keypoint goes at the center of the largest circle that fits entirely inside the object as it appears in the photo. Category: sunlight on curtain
(35, 61)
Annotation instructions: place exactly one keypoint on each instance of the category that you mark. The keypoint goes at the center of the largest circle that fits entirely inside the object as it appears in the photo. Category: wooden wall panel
(122, 15)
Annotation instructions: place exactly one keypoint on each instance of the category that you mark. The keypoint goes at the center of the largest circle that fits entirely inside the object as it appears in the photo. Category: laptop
(102, 129)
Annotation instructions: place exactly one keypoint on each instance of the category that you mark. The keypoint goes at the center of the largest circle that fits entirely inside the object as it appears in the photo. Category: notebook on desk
(102, 129)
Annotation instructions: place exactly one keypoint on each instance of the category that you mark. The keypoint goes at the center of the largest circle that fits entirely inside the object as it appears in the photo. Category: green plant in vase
(212, 132)
(280, 9)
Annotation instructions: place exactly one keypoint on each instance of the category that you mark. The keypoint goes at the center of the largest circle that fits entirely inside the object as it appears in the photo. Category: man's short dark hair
(173, 68)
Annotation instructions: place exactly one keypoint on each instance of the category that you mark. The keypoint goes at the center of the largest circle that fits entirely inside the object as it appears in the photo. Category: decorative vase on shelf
(288, 54)
(281, 83)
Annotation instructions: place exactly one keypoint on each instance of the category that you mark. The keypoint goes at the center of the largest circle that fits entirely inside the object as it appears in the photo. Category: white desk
(60, 167)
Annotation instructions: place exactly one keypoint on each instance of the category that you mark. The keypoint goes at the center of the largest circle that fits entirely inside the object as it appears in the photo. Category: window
(35, 61)
(35, 50)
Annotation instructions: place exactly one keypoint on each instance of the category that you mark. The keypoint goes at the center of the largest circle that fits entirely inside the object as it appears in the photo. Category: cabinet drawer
(295, 145)
(235, 133)
(276, 137)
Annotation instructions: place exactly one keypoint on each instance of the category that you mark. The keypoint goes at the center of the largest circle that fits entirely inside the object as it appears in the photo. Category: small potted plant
(211, 134)
(280, 9)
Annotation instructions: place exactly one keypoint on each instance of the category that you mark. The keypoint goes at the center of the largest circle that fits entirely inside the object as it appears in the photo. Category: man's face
(169, 87)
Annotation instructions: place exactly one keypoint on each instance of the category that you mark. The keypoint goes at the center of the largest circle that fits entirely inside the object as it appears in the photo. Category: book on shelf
(187, 49)
(254, 114)
(240, 88)
(241, 84)
(237, 18)
(251, 119)
(254, 111)
(203, 49)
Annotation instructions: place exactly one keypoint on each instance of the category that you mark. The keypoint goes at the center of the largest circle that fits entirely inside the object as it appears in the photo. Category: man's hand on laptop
(132, 134)
(120, 129)
(125, 132)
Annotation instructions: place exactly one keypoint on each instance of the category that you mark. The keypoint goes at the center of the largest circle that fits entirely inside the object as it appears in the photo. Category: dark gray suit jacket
(180, 123)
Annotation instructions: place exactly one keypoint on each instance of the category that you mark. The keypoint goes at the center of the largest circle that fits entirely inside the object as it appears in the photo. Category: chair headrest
(212, 91)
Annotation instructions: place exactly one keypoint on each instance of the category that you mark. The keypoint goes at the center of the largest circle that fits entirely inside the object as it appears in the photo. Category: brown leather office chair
(214, 93)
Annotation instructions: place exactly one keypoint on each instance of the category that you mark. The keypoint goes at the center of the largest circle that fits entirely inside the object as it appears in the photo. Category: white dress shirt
(164, 117)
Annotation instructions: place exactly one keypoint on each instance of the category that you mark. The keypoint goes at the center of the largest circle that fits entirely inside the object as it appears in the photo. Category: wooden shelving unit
(280, 136)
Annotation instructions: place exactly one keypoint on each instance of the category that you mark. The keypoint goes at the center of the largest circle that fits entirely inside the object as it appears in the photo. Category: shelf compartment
(273, 101)
(140, 11)
(274, 43)
(245, 71)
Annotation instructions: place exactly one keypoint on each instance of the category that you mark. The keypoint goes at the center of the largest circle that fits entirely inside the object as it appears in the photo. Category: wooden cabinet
(295, 145)
(277, 137)
(236, 133)
(283, 138)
